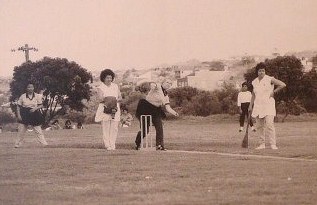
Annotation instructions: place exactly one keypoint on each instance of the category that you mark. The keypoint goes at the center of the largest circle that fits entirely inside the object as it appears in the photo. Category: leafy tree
(227, 95)
(64, 84)
(203, 104)
(182, 95)
(289, 70)
(314, 61)
(309, 98)
(6, 117)
(215, 65)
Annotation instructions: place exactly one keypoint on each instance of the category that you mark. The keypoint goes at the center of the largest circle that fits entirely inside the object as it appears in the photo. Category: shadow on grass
(90, 146)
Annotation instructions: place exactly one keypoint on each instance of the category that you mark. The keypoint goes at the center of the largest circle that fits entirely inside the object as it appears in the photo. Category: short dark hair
(105, 73)
(260, 66)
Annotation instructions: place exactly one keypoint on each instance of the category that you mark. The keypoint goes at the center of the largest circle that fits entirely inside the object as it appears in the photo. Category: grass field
(75, 169)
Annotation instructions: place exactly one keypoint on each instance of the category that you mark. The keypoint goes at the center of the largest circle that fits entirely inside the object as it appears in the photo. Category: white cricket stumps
(146, 133)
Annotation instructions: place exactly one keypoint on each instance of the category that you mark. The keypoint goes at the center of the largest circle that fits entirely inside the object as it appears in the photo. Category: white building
(308, 65)
(205, 79)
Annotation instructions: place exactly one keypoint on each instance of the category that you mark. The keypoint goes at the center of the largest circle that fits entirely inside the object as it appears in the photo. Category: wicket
(146, 123)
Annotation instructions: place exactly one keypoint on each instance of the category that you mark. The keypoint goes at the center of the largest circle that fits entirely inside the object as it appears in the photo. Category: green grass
(75, 169)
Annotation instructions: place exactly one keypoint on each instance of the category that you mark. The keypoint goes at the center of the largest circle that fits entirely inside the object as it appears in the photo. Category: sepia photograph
(161, 102)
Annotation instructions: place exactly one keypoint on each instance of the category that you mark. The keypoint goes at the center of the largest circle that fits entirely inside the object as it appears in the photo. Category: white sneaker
(274, 147)
(241, 129)
(17, 144)
(262, 146)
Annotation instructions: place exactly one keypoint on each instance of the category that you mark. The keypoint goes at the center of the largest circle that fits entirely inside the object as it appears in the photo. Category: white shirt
(263, 104)
(244, 97)
(30, 101)
(107, 91)
(156, 96)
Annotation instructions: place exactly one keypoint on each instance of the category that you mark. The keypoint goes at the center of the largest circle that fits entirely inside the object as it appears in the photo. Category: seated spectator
(80, 125)
(68, 125)
(55, 125)
(126, 118)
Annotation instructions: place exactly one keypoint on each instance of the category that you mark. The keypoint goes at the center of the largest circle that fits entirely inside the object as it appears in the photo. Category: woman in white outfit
(108, 112)
(262, 105)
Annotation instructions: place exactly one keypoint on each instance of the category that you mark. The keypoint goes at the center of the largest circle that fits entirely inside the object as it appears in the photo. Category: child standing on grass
(244, 99)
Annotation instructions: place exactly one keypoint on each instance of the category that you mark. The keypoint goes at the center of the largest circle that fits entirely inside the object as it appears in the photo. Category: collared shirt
(244, 97)
(156, 96)
(30, 101)
(107, 91)
(263, 104)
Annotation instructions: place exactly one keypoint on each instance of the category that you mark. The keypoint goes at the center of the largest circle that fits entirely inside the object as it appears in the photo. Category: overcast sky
(122, 34)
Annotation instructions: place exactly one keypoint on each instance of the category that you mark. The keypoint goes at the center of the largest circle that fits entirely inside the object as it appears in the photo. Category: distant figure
(55, 125)
(244, 99)
(28, 114)
(68, 125)
(126, 118)
(80, 125)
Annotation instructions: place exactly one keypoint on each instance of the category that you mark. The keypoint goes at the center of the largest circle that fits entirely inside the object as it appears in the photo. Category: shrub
(6, 117)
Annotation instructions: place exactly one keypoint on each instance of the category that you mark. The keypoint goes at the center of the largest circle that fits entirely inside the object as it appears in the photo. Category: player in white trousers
(108, 112)
(263, 105)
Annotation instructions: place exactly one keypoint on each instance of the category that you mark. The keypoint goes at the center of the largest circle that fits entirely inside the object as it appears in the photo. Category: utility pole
(26, 50)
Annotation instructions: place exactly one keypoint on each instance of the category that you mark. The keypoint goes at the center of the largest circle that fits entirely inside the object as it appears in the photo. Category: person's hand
(176, 114)
(250, 109)
(240, 111)
(19, 118)
(33, 109)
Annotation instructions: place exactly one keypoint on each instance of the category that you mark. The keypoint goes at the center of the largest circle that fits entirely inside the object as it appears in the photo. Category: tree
(182, 95)
(289, 70)
(64, 84)
(227, 95)
(314, 62)
(309, 98)
(203, 104)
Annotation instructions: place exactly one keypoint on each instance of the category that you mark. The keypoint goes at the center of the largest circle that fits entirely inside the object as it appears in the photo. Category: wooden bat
(245, 141)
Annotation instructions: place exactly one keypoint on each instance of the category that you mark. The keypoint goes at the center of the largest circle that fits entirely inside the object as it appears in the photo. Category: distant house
(205, 79)
(308, 65)
(145, 77)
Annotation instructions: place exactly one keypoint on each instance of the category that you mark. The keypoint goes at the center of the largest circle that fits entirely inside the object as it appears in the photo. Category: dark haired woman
(263, 105)
(108, 112)
(28, 113)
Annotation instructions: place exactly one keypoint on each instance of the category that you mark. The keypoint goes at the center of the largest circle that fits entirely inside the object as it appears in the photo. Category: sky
(140, 34)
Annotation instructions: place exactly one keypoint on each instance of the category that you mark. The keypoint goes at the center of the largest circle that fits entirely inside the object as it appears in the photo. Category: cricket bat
(245, 141)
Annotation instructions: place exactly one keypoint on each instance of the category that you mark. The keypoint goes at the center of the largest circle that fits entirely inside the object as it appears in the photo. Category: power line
(26, 49)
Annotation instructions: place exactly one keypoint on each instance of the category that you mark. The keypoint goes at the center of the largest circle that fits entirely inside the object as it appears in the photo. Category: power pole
(26, 49)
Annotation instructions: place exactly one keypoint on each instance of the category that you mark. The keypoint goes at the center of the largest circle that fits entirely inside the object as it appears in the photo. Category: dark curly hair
(260, 66)
(105, 73)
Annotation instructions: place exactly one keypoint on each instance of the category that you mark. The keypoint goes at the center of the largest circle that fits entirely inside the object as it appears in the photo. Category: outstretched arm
(170, 110)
